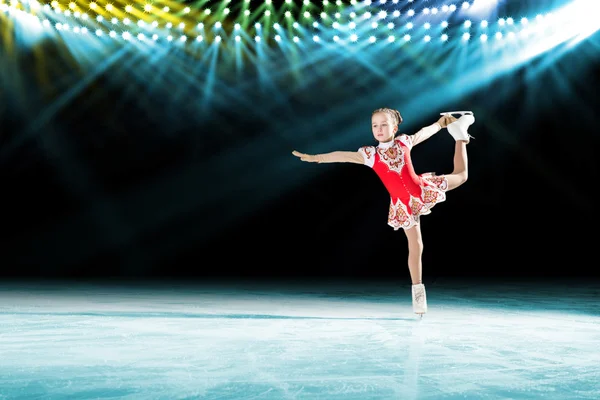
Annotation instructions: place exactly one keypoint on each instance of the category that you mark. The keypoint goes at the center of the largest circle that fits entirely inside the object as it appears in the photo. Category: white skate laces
(419, 299)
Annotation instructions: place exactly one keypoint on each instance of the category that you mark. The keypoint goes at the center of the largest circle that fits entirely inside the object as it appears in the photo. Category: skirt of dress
(405, 215)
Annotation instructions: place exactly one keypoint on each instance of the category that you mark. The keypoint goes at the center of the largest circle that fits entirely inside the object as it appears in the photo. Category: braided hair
(395, 114)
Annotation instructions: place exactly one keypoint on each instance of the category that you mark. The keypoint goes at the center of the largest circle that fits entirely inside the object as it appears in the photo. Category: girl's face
(383, 127)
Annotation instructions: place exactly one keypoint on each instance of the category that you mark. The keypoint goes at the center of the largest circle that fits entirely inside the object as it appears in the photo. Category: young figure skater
(412, 195)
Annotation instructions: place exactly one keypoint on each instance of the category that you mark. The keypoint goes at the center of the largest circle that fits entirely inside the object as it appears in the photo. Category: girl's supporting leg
(415, 252)
(415, 266)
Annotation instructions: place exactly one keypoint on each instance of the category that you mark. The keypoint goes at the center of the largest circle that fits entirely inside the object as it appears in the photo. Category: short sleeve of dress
(405, 140)
(368, 153)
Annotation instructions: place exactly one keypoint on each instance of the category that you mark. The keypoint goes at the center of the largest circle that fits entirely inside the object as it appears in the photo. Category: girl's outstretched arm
(333, 157)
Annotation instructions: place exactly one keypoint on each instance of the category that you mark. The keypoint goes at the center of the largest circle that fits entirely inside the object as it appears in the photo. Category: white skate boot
(419, 299)
(459, 129)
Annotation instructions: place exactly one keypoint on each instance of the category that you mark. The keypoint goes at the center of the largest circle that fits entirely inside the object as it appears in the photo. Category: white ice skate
(419, 299)
(459, 129)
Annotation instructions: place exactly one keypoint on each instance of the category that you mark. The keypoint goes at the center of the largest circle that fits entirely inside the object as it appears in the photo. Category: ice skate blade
(457, 112)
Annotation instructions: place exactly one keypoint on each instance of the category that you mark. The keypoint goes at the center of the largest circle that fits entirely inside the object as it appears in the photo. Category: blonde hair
(395, 114)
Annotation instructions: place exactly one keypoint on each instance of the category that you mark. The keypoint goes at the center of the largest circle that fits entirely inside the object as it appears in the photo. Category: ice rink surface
(479, 340)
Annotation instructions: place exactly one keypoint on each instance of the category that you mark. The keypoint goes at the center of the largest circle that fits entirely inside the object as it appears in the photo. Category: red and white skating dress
(412, 195)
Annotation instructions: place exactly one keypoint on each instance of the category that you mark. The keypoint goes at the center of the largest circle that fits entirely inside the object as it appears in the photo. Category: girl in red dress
(412, 194)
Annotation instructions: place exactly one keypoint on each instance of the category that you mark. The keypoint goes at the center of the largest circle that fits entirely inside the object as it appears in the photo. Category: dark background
(121, 179)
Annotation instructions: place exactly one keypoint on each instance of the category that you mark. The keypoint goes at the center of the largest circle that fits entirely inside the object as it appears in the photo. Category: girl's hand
(446, 120)
(305, 157)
